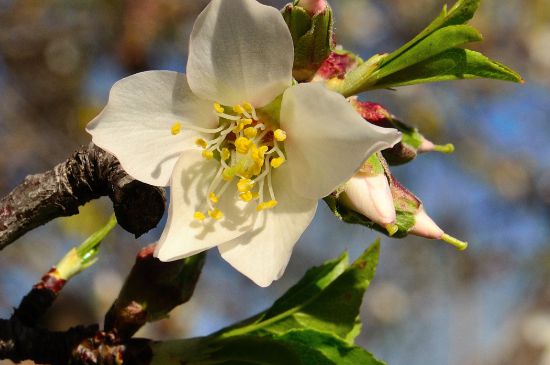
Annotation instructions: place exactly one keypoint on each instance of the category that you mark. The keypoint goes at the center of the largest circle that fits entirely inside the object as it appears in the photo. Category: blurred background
(429, 304)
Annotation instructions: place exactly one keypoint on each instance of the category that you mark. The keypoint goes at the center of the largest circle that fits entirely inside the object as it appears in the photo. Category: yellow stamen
(279, 135)
(238, 109)
(266, 205)
(225, 154)
(248, 107)
(241, 124)
(208, 154)
(201, 142)
(246, 197)
(218, 108)
(215, 214)
(245, 185)
(277, 162)
(228, 174)
(242, 145)
(199, 216)
(250, 132)
(213, 198)
(176, 128)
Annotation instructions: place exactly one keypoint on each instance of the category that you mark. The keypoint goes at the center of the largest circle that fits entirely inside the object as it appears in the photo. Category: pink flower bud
(371, 196)
(313, 7)
(428, 146)
(336, 65)
(425, 227)
(374, 113)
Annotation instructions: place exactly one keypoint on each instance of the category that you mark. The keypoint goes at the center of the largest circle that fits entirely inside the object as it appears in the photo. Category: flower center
(248, 148)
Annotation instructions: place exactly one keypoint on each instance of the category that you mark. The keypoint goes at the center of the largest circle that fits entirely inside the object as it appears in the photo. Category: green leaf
(460, 13)
(332, 308)
(314, 281)
(298, 347)
(239, 350)
(435, 43)
(453, 64)
(431, 56)
(332, 347)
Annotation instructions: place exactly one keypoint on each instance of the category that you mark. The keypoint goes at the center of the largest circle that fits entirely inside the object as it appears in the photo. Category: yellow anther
(245, 185)
(215, 214)
(255, 196)
(246, 197)
(248, 107)
(213, 197)
(225, 154)
(218, 108)
(242, 145)
(208, 154)
(238, 109)
(241, 124)
(201, 142)
(176, 128)
(250, 132)
(228, 174)
(199, 216)
(277, 162)
(266, 205)
(280, 135)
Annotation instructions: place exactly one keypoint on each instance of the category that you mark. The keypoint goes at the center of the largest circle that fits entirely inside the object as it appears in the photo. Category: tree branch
(88, 174)
(19, 342)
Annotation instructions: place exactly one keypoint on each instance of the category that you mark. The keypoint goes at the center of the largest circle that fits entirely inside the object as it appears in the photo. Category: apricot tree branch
(87, 174)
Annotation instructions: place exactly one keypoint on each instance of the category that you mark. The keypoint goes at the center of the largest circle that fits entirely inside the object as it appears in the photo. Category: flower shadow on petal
(239, 217)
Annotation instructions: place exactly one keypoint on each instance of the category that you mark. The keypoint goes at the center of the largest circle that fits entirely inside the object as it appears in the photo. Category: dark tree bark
(88, 174)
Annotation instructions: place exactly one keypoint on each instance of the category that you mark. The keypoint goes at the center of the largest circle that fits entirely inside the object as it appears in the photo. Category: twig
(19, 342)
(88, 174)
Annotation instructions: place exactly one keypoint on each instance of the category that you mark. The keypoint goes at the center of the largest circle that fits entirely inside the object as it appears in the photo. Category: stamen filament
(201, 130)
(228, 116)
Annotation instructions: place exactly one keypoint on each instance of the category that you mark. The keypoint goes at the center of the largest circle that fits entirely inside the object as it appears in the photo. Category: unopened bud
(313, 7)
(428, 146)
(371, 196)
(412, 143)
(337, 65)
(311, 27)
(407, 203)
(151, 290)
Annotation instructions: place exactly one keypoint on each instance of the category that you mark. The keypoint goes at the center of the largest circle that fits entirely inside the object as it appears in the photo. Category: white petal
(263, 253)
(327, 140)
(370, 196)
(240, 50)
(136, 124)
(183, 236)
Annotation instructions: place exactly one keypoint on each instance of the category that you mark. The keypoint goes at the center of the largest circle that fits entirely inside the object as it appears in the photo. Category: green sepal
(312, 37)
(373, 166)
(405, 221)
